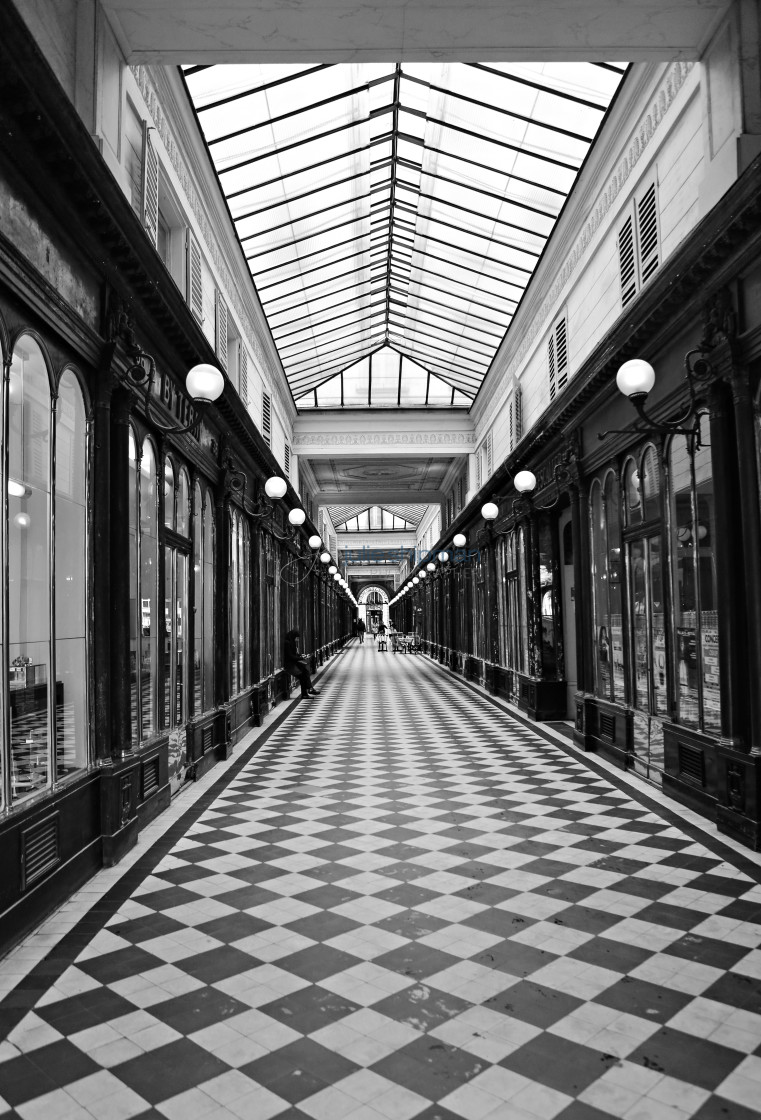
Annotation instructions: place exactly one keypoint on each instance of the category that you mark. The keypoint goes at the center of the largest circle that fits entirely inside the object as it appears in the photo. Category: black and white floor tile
(405, 905)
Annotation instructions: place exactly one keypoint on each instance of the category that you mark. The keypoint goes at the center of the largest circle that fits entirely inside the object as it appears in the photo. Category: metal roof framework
(395, 209)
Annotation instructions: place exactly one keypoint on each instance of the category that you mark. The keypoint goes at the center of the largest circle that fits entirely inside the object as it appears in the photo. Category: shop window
(607, 590)
(176, 549)
(47, 689)
(70, 498)
(239, 602)
(694, 583)
(548, 598)
(144, 590)
(203, 572)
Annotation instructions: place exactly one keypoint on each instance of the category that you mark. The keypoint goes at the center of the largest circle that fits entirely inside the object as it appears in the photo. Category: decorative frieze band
(382, 439)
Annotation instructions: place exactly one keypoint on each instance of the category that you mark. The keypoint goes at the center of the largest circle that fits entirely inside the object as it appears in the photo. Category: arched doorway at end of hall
(372, 606)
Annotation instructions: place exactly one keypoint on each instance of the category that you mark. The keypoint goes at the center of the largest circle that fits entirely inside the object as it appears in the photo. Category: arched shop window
(240, 554)
(45, 726)
(144, 589)
(607, 577)
(694, 584)
(203, 573)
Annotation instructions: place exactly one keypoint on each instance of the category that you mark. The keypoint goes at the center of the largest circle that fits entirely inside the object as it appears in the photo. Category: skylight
(396, 211)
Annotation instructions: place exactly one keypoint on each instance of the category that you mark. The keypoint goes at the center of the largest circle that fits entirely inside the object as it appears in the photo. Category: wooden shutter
(221, 330)
(551, 364)
(627, 262)
(150, 187)
(511, 421)
(647, 234)
(267, 418)
(287, 459)
(243, 374)
(489, 454)
(518, 396)
(195, 278)
(561, 353)
(478, 468)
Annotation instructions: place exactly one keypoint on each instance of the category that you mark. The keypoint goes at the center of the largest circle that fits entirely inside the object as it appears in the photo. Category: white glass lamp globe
(297, 517)
(315, 541)
(423, 573)
(332, 569)
(635, 378)
(490, 511)
(443, 557)
(431, 567)
(415, 580)
(459, 540)
(204, 383)
(525, 482)
(275, 487)
(335, 575)
(23, 520)
(325, 557)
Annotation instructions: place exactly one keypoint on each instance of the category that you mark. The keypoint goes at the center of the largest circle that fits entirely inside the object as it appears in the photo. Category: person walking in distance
(295, 663)
(361, 631)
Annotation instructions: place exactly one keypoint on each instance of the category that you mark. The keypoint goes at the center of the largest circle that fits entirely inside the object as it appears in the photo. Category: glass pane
(704, 535)
(547, 599)
(684, 589)
(169, 634)
(150, 619)
(180, 638)
(660, 693)
(208, 602)
(199, 616)
(169, 511)
(522, 627)
(632, 500)
(638, 596)
(29, 573)
(183, 504)
(651, 484)
(135, 613)
(600, 583)
(234, 605)
(72, 723)
(615, 593)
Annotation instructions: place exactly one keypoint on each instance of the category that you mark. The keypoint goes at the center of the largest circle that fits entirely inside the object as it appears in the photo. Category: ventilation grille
(150, 777)
(607, 726)
(208, 739)
(244, 374)
(150, 187)
(39, 850)
(267, 418)
(221, 346)
(692, 764)
(627, 263)
(195, 278)
(647, 229)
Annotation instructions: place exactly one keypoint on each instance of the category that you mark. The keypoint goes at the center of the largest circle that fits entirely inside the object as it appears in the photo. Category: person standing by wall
(361, 631)
(295, 663)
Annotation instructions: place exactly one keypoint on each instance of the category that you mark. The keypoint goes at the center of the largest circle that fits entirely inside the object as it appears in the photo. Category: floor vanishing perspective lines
(404, 904)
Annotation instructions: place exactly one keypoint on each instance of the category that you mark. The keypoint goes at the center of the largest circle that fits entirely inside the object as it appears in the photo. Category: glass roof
(372, 519)
(395, 211)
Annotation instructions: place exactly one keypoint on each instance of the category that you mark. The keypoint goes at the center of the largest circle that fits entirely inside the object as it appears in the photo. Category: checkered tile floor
(406, 904)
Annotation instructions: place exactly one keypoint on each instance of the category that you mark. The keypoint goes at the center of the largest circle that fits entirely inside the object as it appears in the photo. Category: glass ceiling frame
(400, 205)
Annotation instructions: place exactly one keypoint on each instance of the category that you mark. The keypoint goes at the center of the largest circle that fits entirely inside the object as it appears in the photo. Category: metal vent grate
(692, 764)
(150, 777)
(208, 738)
(39, 850)
(607, 726)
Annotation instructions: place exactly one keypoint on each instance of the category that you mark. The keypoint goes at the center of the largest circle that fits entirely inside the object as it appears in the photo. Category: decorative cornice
(152, 101)
(382, 439)
(650, 122)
